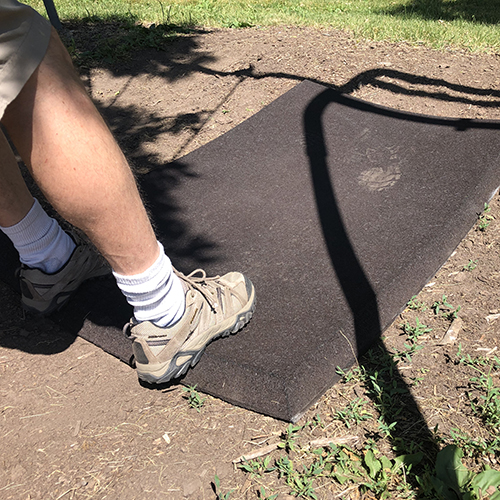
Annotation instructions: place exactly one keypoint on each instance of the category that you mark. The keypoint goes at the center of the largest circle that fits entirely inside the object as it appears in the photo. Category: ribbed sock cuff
(157, 294)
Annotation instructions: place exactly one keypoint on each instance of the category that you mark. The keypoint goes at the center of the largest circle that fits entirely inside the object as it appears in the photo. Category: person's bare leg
(77, 163)
(16, 200)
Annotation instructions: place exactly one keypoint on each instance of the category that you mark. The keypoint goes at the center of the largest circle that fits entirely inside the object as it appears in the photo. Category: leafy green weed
(194, 398)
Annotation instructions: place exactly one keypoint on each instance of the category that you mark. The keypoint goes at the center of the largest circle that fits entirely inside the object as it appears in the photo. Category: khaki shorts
(24, 37)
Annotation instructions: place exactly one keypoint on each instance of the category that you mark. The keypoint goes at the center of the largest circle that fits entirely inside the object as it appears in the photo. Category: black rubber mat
(339, 211)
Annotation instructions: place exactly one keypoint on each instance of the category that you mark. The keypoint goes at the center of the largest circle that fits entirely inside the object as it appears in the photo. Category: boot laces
(206, 286)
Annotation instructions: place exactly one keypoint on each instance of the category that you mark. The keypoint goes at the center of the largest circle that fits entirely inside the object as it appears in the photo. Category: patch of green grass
(113, 40)
(415, 304)
(354, 375)
(300, 482)
(194, 397)
(257, 467)
(317, 421)
(353, 413)
(476, 447)
(485, 393)
(439, 23)
(484, 218)
(445, 309)
(288, 437)
(415, 332)
(217, 490)
(373, 471)
(392, 460)
(487, 404)
(453, 480)
(264, 496)
(470, 266)
(407, 469)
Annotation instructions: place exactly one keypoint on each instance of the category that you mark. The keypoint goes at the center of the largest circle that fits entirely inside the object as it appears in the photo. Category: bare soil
(75, 423)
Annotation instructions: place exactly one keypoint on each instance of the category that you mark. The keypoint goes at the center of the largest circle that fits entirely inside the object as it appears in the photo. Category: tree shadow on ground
(181, 59)
(156, 50)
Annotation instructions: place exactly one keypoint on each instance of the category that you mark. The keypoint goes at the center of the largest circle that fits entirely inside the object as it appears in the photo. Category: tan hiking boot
(44, 293)
(215, 307)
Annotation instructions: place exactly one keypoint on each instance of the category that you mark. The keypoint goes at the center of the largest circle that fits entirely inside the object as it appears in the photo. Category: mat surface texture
(339, 211)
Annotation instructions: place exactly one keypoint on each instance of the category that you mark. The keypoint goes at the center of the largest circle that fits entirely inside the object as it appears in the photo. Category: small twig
(350, 345)
(257, 453)
(65, 493)
(57, 392)
(10, 486)
(342, 493)
(259, 443)
(260, 437)
(37, 415)
(83, 356)
(327, 441)
(315, 443)
(488, 349)
(77, 428)
(492, 317)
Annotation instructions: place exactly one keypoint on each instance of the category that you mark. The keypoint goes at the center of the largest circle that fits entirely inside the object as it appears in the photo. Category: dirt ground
(75, 423)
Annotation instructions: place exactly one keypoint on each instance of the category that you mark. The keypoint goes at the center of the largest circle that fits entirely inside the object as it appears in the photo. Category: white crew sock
(40, 240)
(157, 294)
